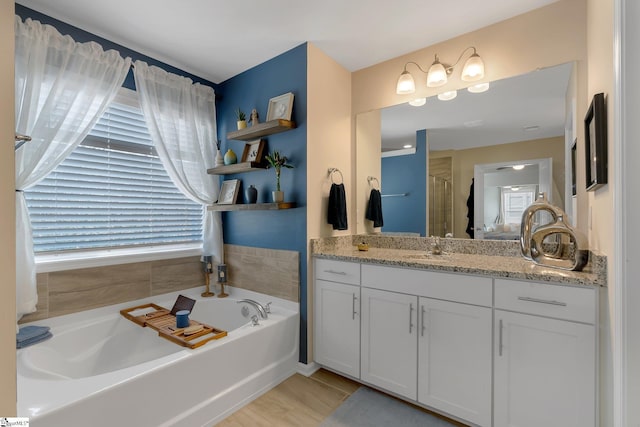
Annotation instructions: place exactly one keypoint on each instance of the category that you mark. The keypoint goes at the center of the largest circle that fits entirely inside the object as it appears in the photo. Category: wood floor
(298, 402)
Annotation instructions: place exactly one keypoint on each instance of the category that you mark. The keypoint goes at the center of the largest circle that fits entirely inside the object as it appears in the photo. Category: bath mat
(369, 408)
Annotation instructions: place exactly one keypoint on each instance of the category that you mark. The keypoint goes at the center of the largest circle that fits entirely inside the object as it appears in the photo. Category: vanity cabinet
(337, 316)
(522, 354)
(389, 341)
(544, 363)
(454, 359)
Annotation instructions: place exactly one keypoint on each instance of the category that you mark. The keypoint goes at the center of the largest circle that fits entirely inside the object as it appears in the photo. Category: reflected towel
(374, 208)
(29, 335)
(337, 212)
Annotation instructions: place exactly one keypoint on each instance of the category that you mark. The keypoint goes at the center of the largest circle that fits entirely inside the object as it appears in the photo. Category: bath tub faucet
(259, 307)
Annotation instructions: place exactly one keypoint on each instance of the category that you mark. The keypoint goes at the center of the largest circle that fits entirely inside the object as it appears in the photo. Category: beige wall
(7, 215)
(465, 160)
(328, 146)
(601, 203)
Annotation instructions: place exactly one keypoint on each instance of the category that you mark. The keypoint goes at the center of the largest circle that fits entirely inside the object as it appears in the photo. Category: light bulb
(473, 69)
(437, 75)
(447, 96)
(406, 84)
(418, 102)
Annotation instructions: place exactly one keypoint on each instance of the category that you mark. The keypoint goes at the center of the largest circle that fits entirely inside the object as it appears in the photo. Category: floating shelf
(237, 168)
(252, 206)
(262, 129)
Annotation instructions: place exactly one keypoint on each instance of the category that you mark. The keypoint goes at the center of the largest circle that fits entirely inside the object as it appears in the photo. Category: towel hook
(370, 179)
(332, 171)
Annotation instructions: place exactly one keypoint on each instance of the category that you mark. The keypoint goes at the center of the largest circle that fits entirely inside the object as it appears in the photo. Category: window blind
(112, 191)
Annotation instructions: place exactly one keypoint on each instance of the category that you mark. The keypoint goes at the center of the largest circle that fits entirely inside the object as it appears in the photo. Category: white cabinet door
(454, 359)
(389, 341)
(337, 326)
(544, 372)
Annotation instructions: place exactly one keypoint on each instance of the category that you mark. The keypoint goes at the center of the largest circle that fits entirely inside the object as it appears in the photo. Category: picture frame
(595, 135)
(253, 151)
(229, 192)
(280, 107)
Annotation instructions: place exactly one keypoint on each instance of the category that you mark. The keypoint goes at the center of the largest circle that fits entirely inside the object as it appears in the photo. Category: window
(514, 202)
(112, 191)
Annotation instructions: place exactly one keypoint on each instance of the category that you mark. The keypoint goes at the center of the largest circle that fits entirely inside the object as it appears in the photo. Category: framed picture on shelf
(595, 135)
(253, 151)
(280, 107)
(229, 192)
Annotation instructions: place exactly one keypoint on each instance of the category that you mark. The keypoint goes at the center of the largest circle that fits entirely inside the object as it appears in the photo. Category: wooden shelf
(237, 168)
(252, 206)
(262, 129)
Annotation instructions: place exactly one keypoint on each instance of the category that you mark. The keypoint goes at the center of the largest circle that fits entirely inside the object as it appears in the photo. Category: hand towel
(337, 212)
(29, 335)
(374, 208)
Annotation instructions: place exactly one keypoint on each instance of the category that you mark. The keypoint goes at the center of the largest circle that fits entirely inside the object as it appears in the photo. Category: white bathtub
(100, 369)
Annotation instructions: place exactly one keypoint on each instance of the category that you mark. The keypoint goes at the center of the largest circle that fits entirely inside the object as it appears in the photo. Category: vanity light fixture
(418, 102)
(479, 88)
(438, 73)
(447, 96)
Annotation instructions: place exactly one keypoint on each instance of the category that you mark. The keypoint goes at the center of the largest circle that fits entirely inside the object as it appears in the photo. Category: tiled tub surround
(268, 271)
(480, 257)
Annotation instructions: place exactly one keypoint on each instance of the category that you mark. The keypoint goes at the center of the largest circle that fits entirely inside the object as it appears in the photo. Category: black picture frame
(595, 136)
(574, 162)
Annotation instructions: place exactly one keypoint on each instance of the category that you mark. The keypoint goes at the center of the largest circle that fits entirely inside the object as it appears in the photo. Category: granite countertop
(511, 267)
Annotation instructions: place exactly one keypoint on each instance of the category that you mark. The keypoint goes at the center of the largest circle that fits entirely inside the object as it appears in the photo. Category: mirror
(429, 153)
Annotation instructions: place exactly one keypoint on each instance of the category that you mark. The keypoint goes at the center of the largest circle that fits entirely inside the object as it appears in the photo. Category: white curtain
(61, 89)
(181, 117)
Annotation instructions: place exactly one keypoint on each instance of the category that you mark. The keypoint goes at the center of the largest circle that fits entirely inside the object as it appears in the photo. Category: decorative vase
(230, 157)
(219, 158)
(242, 124)
(278, 196)
(251, 194)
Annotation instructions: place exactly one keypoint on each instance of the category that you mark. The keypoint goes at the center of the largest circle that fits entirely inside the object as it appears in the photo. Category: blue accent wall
(406, 174)
(83, 36)
(285, 229)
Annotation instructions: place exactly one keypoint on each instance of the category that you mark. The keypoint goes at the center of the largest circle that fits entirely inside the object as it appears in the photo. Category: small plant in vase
(241, 119)
(277, 162)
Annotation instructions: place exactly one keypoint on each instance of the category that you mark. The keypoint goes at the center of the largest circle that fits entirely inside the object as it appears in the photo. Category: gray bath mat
(368, 408)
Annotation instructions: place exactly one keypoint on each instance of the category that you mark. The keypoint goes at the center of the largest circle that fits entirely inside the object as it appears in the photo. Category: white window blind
(112, 191)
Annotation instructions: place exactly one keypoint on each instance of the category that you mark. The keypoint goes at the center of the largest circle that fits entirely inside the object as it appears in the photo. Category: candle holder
(222, 279)
(208, 269)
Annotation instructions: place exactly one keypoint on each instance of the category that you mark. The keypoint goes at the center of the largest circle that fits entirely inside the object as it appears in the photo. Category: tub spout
(259, 307)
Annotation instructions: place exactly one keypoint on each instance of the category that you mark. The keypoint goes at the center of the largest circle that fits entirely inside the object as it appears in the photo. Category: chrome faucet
(436, 249)
(259, 307)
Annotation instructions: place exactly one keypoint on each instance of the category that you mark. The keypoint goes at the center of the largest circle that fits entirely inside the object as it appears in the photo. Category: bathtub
(100, 369)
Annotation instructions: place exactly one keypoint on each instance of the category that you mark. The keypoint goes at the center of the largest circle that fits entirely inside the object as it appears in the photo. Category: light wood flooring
(298, 402)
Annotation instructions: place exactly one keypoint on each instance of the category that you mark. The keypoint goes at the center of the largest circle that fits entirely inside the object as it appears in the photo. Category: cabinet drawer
(562, 302)
(337, 271)
(447, 286)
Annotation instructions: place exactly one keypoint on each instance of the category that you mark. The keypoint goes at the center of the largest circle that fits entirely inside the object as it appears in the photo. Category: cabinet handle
(353, 307)
(543, 301)
(500, 338)
(422, 324)
(410, 318)
(341, 273)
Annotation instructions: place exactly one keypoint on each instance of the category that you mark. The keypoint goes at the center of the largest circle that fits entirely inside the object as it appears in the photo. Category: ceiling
(498, 116)
(217, 39)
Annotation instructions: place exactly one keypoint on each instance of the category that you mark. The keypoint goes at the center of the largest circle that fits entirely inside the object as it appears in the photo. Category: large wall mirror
(429, 155)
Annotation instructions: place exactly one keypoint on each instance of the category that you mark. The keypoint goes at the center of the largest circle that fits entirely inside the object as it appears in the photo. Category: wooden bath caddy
(165, 323)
